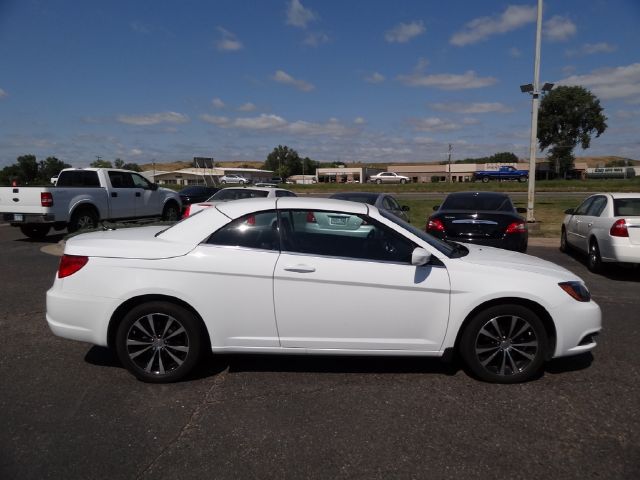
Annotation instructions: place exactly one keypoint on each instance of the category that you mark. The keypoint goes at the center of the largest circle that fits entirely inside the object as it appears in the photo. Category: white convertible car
(262, 276)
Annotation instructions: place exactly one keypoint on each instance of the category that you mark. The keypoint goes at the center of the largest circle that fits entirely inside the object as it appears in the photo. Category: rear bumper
(622, 251)
(17, 219)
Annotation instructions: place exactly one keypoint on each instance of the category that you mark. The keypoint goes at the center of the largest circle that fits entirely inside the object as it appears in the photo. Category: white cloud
(228, 41)
(359, 121)
(478, 29)
(298, 15)
(515, 52)
(136, 152)
(423, 140)
(247, 107)
(315, 39)
(139, 27)
(470, 121)
(403, 32)
(332, 127)
(470, 108)
(592, 49)
(283, 77)
(433, 124)
(447, 81)
(610, 83)
(215, 120)
(558, 28)
(375, 77)
(153, 118)
(217, 103)
(263, 122)
(2, 93)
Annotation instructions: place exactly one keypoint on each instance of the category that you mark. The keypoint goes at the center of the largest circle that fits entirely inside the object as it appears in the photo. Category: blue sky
(350, 80)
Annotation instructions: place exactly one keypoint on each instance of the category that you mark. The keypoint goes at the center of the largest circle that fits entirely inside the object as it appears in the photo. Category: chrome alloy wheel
(157, 343)
(506, 345)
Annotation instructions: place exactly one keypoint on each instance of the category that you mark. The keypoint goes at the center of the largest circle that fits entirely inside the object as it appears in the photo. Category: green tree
(27, 168)
(118, 163)
(284, 161)
(131, 166)
(50, 168)
(568, 117)
(309, 166)
(101, 164)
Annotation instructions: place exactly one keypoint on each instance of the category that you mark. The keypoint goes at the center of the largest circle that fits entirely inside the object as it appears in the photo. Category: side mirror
(405, 208)
(569, 211)
(436, 207)
(154, 186)
(521, 210)
(420, 257)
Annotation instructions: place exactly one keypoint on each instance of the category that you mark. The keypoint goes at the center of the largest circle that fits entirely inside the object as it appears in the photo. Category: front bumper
(577, 326)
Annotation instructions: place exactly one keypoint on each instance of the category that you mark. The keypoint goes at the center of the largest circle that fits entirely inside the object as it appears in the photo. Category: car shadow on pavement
(569, 364)
(339, 364)
(48, 239)
(611, 271)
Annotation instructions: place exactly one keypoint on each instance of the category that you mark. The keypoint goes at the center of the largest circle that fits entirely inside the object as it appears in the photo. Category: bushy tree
(568, 117)
(101, 164)
(284, 161)
(50, 168)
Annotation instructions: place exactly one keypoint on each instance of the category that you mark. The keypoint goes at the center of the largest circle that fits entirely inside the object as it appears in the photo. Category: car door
(122, 195)
(234, 267)
(149, 202)
(355, 290)
(575, 230)
(591, 218)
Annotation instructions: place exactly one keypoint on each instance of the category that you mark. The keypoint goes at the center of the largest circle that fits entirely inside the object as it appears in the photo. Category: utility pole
(449, 163)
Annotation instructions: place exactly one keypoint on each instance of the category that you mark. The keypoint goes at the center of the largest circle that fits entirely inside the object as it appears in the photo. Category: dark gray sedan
(379, 200)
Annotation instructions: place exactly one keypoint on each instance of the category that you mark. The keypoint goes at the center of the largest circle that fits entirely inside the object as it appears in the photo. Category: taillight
(187, 211)
(516, 227)
(619, 229)
(70, 264)
(311, 218)
(435, 225)
(46, 199)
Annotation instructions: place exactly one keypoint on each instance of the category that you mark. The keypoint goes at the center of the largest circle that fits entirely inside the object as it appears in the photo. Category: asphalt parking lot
(68, 410)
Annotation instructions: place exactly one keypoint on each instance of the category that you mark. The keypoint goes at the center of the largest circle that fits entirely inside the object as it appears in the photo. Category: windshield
(450, 249)
(237, 194)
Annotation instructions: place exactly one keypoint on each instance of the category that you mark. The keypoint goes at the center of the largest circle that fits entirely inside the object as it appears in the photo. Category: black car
(483, 218)
(379, 200)
(196, 194)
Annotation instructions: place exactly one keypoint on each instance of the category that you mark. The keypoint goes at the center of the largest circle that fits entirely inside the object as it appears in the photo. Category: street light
(534, 90)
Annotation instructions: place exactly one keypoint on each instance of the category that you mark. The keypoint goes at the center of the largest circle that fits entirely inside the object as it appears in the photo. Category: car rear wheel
(485, 179)
(402, 180)
(83, 219)
(504, 344)
(378, 181)
(36, 232)
(159, 342)
(522, 179)
(171, 212)
(594, 260)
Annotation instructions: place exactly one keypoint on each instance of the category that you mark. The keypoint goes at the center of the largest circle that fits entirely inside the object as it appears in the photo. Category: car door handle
(300, 268)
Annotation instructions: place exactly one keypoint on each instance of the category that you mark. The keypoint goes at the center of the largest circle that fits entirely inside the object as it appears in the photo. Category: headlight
(577, 290)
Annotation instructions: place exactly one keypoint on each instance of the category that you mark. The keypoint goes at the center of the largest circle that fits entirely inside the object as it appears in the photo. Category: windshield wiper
(459, 250)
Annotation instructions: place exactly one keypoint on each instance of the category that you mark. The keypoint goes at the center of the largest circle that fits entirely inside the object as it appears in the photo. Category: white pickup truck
(83, 197)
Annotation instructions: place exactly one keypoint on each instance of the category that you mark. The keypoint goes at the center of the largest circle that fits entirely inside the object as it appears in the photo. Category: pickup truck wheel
(171, 212)
(522, 179)
(504, 344)
(159, 342)
(83, 219)
(37, 232)
(485, 179)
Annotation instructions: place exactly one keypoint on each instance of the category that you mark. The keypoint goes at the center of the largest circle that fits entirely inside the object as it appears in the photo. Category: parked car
(606, 226)
(382, 201)
(483, 218)
(196, 193)
(388, 177)
(236, 193)
(233, 178)
(503, 173)
(82, 197)
(241, 277)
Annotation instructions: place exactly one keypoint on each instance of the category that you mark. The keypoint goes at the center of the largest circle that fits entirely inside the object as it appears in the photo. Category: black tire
(159, 342)
(36, 232)
(522, 179)
(171, 212)
(594, 260)
(564, 244)
(378, 181)
(504, 344)
(83, 219)
(485, 179)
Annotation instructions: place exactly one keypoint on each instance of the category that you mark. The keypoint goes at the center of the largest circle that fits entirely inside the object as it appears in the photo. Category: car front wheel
(594, 260)
(564, 244)
(159, 342)
(504, 344)
(378, 181)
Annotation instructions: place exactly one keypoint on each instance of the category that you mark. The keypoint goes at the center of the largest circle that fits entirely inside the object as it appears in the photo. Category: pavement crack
(211, 397)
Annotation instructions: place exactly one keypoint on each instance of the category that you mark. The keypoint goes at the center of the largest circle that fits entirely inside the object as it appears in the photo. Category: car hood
(508, 260)
(139, 242)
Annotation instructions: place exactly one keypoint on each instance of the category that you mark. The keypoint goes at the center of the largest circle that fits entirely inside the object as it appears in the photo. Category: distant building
(207, 176)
